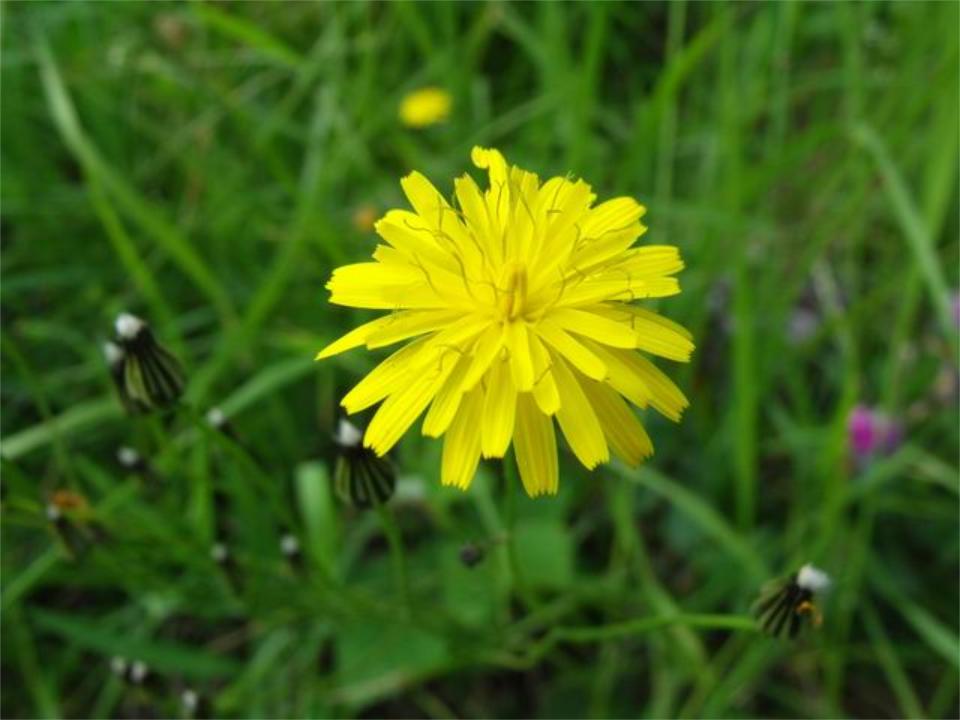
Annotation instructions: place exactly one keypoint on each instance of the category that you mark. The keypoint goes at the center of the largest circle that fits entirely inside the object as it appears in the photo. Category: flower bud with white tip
(785, 604)
(361, 477)
(139, 672)
(151, 375)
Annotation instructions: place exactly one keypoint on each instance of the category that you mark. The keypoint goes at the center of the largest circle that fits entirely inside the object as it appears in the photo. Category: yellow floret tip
(424, 107)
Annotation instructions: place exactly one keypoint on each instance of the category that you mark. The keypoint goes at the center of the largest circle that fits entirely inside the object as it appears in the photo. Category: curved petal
(578, 420)
(499, 410)
(536, 446)
(579, 356)
(624, 432)
(355, 338)
(461, 445)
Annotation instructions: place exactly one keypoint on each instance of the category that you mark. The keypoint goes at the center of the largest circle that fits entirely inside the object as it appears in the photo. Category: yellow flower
(364, 218)
(521, 302)
(427, 106)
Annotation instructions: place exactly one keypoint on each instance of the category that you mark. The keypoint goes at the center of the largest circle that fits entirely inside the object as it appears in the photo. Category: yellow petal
(560, 229)
(536, 447)
(624, 432)
(665, 397)
(444, 223)
(474, 210)
(608, 230)
(579, 356)
(622, 376)
(426, 200)
(544, 387)
(461, 445)
(401, 409)
(524, 191)
(386, 255)
(569, 210)
(484, 351)
(410, 234)
(614, 214)
(596, 327)
(445, 404)
(613, 286)
(521, 360)
(654, 333)
(577, 419)
(651, 261)
(380, 381)
(499, 410)
(497, 198)
(382, 287)
(492, 161)
(641, 382)
(434, 355)
(355, 338)
(403, 325)
(592, 253)
(660, 320)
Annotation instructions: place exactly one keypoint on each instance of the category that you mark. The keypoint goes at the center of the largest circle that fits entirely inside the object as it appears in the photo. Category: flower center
(514, 291)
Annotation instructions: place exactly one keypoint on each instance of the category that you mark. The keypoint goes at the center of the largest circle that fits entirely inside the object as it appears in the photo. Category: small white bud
(118, 665)
(812, 578)
(112, 353)
(219, 552)
(289, 544)
(189, 700)
(216, 418)
(348, 434)
(139, 671)
(128, 457)
(128, 326)
(53, 512)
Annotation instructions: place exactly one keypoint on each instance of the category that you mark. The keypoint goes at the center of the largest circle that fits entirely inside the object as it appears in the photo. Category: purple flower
(871, 432)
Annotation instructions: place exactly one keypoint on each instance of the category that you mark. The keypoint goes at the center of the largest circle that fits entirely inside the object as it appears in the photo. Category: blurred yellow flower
(364, 218)
(426, 106)
(521, 302)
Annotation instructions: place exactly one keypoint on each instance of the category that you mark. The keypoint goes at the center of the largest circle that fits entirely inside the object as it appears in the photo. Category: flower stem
(585, 634)
(397, 555)
(508, 472)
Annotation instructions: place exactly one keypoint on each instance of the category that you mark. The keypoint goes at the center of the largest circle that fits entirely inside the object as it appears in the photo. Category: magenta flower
(871, 433)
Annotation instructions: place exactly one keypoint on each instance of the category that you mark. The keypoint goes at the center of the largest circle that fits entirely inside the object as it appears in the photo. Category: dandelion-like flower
(145, 373)
(424, 107)
(520, 298)
(784, 605)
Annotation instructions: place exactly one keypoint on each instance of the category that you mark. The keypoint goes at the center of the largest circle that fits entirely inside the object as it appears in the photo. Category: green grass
(200, 164)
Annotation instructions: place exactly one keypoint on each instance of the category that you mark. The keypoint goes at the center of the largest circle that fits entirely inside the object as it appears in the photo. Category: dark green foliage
(200, 164)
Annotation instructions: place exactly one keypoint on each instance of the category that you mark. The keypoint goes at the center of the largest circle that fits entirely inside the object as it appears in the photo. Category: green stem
(587, 635)
(508, 470)
(397, 555)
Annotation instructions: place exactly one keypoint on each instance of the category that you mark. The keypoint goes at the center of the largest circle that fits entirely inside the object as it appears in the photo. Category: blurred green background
(206, 165)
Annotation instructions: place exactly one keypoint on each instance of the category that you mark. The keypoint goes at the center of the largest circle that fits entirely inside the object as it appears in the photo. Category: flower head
(785, 605)
(364, 217)
(520, 300)
(871, 433)
(145, 373)
(426, 106)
